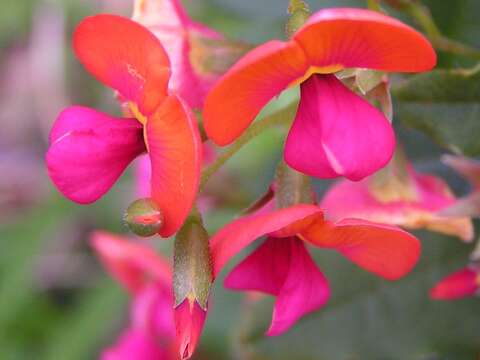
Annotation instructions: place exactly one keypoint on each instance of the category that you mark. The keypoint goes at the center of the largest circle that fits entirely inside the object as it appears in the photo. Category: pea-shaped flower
(89, 150)
(335, 132)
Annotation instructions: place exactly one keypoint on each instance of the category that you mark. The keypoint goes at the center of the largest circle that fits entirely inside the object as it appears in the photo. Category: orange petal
(364, 39)
(125, 56)
(175, 150)
(382, 249)
(248, 86)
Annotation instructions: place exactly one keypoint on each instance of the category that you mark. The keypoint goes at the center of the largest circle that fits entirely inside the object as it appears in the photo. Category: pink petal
(382, 249)
(89, 151)
(469, 168)
(337, 133)
(169, 22)
(134, 265)
(467, 206)
(136, 342)
(240, 233)
(282, 267)
(462, 283)
(346, 199)
(189, 320)
(359, 38)
(151, 310)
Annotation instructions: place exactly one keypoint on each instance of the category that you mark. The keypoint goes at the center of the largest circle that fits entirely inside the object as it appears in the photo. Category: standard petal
(382, 249)
(364, 39)
(189, 320)
(89, 150)
(337, 133)
(282, 267)
(240, 233)
(175, 149)
(132, 264)
(143, 175)
(248, 86)
(461, 283)
(125, 56)
(265, 269)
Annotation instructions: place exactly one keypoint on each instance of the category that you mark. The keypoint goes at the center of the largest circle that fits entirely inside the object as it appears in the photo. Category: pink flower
(470, 169)
(461, 283)
(335, 132)
(186, 43)
(398, 196)
(89, 150)
(282, 265)
(157, 331)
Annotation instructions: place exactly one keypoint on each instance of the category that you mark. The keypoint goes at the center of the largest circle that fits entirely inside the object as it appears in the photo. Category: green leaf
(88, 328)
(444, 104)
(371, 318)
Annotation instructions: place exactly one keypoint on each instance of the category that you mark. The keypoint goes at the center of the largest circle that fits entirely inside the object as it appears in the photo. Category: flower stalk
(282, 118)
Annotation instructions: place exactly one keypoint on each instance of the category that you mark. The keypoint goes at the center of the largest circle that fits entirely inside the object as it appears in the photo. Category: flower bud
(192, 279)
(143, 217)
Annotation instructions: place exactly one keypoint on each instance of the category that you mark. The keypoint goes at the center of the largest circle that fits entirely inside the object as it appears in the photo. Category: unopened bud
(192, 268)
(192, 279)
(144, 218)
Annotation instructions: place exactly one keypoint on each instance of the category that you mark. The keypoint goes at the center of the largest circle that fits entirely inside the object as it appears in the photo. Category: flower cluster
(162, 65)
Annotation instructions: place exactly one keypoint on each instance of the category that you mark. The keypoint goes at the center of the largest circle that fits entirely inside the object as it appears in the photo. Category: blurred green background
(56, 302)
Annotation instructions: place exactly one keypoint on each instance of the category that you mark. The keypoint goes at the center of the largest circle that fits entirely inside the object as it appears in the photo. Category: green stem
(424, 18)
(281, 117)
(297, 5)
(374, 5)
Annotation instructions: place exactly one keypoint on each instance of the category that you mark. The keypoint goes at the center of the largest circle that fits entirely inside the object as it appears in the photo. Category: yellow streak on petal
(136, 113)
(141, 118)
(330, 69)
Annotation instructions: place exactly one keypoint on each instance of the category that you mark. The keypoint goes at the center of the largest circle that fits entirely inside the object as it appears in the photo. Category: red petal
(132, 264)
(189, 320)
(284, 268)
(248, 86)
(382, 249)
(175, 149)
(89, 151)
(235, 236)
(125, 56)
(364, 39)
(337, 133)
(458, 285)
